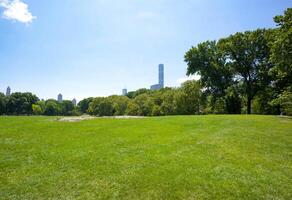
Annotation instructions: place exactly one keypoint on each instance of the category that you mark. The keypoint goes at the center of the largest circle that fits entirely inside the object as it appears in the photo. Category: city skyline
(160, 85)
(99, 47)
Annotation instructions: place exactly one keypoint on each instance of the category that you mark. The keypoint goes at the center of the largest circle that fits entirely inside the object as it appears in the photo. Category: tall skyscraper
(60, 97)
(8, 91)
(125, 92)
(160, 84)
(161, 75)
(74, 101)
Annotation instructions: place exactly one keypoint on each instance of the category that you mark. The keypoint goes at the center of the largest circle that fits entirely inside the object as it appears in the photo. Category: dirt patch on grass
(87, 117)
(75, 119)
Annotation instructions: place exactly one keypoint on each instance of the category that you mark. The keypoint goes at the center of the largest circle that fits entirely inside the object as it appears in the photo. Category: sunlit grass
(180, 157)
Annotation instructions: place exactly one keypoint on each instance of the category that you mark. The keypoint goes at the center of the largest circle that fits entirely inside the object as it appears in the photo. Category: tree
(192, 94)
(145, 103)
(84, 104)
(93, 108)
(36, 109)
(233, 101)
(120, 104)
(52, 108)
(106, 108)
(285, 101)
(67, 107)
(156, 111)
(101, 106)
(208, 61)
(168, 106)
(21, 103)
(133, 109)
(247, 54)
(2, 104)
(281, 49)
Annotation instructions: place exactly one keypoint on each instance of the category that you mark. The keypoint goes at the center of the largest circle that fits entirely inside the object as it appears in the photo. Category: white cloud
(16, 10)
(188, 78)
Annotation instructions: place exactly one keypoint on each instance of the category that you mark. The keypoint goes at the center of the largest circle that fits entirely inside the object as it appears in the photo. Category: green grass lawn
(181, 157)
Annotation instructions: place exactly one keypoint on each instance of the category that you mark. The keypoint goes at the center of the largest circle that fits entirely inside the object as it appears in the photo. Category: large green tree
(207, 61)
(281, 51)
(247, 55)
(21, 103)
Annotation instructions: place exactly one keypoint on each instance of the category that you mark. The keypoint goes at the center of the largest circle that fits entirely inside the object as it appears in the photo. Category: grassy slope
(185, 157)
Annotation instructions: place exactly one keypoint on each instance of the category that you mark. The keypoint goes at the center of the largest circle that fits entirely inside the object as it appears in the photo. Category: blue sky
(97, 47)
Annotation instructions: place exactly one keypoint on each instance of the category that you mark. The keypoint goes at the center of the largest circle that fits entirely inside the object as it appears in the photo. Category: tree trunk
(248, 105)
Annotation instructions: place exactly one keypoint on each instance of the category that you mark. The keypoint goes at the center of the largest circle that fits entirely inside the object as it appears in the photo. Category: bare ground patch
(87, 117)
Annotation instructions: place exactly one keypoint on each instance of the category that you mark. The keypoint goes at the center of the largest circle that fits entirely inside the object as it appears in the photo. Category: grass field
(182, 157)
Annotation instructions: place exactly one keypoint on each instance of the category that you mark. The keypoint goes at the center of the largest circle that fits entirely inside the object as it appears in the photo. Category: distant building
(161, 75)
(155, 87)
(160, 84)
(60, 98)
(74, 101)
(8, 91)
(125, 92)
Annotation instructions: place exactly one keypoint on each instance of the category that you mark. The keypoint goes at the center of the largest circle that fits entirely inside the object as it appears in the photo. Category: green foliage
(208, 61)
(233, 101)
(36, 109)
(52, 108)
(133, 109)
(192, 97)
(76, 111)
(219, 106)
(20, 103)
(281, 51)
(93, 108)
(285, 101)
(120, 104)
(247, 54)
(145, 103)
(2, 104)
(136, 93)
(84, 104)
(156, 111)
(66, 108)
(101, 107)
(166, 103)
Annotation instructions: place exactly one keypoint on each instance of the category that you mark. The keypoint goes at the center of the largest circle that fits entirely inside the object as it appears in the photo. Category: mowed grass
(180, 157)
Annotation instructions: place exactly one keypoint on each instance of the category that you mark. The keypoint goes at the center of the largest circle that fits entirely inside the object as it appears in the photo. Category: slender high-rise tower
(160, 84)
(60, 97)
(8, 91)
(161, 75)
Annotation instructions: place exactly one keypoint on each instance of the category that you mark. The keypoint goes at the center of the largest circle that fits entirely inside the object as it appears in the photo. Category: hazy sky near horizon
(97, 47)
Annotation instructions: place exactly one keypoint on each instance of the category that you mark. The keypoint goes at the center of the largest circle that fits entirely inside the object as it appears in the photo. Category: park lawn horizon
(175, 157)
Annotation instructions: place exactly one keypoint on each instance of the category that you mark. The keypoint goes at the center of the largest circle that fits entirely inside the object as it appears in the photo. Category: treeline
(253, 68)
(29, 104)
(168, 101)
(185, 100)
